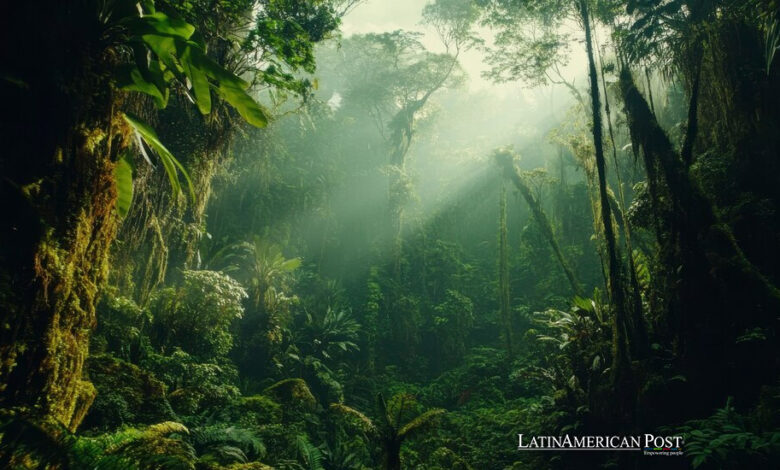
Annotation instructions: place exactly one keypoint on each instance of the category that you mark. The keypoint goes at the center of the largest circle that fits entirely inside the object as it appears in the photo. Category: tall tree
(547, 49)
(506, 160)
(504, 298)
(65, 134)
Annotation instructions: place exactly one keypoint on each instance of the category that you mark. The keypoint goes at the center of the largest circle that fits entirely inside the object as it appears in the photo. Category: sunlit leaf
(123, 175)
(200, 83)
(130, 78)
(246, 106)
(171, 165)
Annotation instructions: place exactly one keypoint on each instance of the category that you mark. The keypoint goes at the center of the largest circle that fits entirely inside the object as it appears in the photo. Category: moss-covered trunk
(620, 366)
(61, 134)
(46, 333)
(544, 223)
(162, 234)
(505, 305)
(702, 253)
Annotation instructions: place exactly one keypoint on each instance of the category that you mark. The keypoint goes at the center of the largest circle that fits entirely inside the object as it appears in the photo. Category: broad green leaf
(129, 77)
(123, 176)
(171, 165)
(200, 83)
(246, 106)
(168, 39)
(164, 24)
(213, 70)
(165, 48)
(148, 5)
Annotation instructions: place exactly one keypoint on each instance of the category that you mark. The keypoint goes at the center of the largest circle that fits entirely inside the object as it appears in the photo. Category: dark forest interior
(367, 234)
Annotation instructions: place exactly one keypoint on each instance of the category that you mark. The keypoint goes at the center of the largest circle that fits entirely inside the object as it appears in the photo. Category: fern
(311, 455)
(23, 439)
(363, 421)
(228, 443)
(726, 437)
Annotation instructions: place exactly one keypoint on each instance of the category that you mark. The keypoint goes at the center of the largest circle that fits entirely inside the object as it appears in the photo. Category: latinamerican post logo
(648, 444)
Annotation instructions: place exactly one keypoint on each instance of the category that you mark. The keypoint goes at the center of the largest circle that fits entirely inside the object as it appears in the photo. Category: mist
(386, 235)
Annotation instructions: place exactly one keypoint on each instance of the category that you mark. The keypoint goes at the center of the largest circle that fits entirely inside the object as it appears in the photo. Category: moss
(291, 391)
(126, 394)
(264, 408)
(248, 466)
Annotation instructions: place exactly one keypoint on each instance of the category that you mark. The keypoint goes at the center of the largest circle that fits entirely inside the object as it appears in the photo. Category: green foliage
(451, 322)
(26, 443)
(326, 337)
(288, 29)
(126, 395)
(123, 174)
(291, 391)
(728, 440)
(167, 55)
(268, 276)
(120, 327)
(532, 51)
(159, 446)
(453, 20)
(146, 135)
(177, 55)
(257, 409)
(196, 387)
(226, 445)
(309, 454)
(772, 40)
(197, 315)
(400, 418)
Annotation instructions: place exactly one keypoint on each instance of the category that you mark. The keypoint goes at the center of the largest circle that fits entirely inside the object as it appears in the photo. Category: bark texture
(62, 135)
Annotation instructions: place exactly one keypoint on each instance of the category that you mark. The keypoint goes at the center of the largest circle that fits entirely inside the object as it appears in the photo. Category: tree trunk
(161, 235)
(392, 457)
(544, 223)
(503, 276)
(703, 253)
(638, 328)
(620, 364)
(62, 136)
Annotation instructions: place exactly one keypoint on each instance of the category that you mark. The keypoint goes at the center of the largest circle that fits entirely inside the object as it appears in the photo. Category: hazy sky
(376, 16)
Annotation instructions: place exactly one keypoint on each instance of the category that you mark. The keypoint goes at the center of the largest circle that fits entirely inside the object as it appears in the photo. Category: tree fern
(363, 421)
(420, 423)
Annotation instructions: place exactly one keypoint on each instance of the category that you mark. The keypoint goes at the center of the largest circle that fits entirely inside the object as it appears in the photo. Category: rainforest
(389, 234)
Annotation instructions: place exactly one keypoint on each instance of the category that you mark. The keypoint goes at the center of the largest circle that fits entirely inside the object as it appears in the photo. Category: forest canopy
(363, 234)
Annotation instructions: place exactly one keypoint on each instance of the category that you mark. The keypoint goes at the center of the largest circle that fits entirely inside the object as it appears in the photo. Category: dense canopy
(374, 234)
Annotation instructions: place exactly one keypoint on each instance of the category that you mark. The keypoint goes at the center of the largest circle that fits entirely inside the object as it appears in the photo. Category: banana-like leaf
(177, 57)
(171, 165)
(160, 24)
(246, 106)
(129, 77)
(123, 175)
(165, 48)
(165, 24)
(199, 80)
(231, 88)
